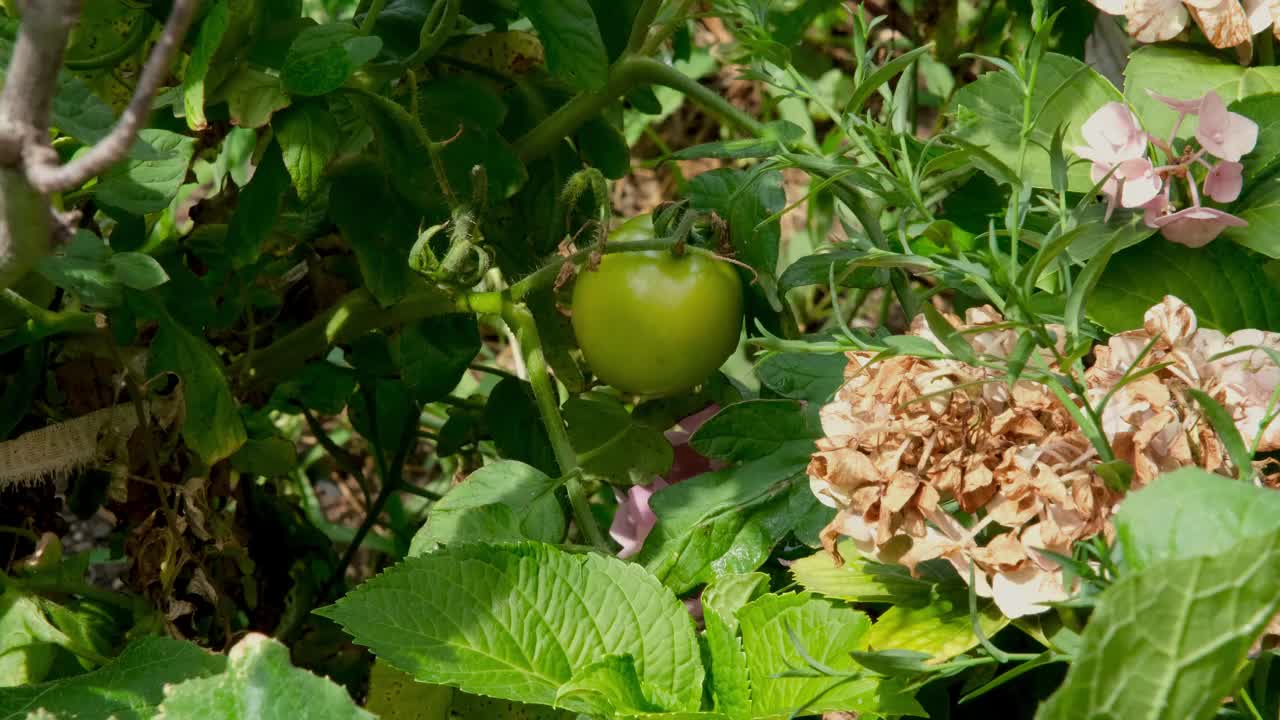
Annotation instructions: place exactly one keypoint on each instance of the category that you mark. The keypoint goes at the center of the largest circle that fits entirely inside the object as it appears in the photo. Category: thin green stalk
(627, 74)
(548, 401)
(643, 22)
(371, 17)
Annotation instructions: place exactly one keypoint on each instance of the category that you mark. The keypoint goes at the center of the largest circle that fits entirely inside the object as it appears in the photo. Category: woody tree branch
(29, 167)
(43, 170)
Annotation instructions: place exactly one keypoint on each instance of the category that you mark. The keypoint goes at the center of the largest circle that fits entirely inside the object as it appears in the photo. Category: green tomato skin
(650, 323)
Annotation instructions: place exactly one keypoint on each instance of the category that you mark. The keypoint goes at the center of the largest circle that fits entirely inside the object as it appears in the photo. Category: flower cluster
(1226, 23)
(1117, 147)
(908, 437)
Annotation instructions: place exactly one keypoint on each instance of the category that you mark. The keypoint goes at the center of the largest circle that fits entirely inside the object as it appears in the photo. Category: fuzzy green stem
(548, 402)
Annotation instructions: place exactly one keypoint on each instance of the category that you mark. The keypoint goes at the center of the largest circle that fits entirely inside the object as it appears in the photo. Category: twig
(42, 168)
(31, 80)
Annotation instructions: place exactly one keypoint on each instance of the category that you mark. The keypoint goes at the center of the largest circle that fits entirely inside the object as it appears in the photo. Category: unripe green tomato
(651, 323)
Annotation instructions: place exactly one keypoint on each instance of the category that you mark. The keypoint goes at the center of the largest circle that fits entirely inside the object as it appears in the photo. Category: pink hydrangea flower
(634, 519)
(1132, 181)
(1196, 226)
(1225, 134)
(1224, 181)
(1114, 135)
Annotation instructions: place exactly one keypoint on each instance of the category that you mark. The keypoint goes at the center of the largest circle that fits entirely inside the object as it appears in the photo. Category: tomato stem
(548, 401)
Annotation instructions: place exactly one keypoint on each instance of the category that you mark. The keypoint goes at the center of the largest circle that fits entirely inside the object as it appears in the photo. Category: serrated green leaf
(730, 683)
(754, 429)
(1167, 641)
(575, 49)
(811, 377)
(520, 621)
(613, 445)
(144, 186)
(939, 627)
(308, 137)
(208, 37)
(828, 634)
(853, 267)
(505, 501)
(727, 521)
(212, 427)
(858, 579)
(129, 688)
(260, 683)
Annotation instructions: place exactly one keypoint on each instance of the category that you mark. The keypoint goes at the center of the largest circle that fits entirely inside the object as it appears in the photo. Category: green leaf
(727, 521)
(1223, 284)
(208, 38)
(403, 145)
(1168, 641)
(771, 627)
(252, 97)
(604, 147)
(322, 57)
(137, 271)
(730, 683)
(258, 209)
(575, 49)
(521, 621)
(266, 457)
(377, 226)
(1192, 513)
(859, 579)
(394, 695)
(774, 140)
(471, 112)
(505, 501)
(853, 267)
(321, 386)
(811, 377)
(1186, 74)
(755, 429)
(308, 137)
(212, 427)
(129, 688)
(84, 267)
(516, 426)
(1265, 111)
(939, 626)
(259, 684)
(144, 186)
(435, 352)
(1260, 207)
(745, 200)
(1067, 92)
(611, 444)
